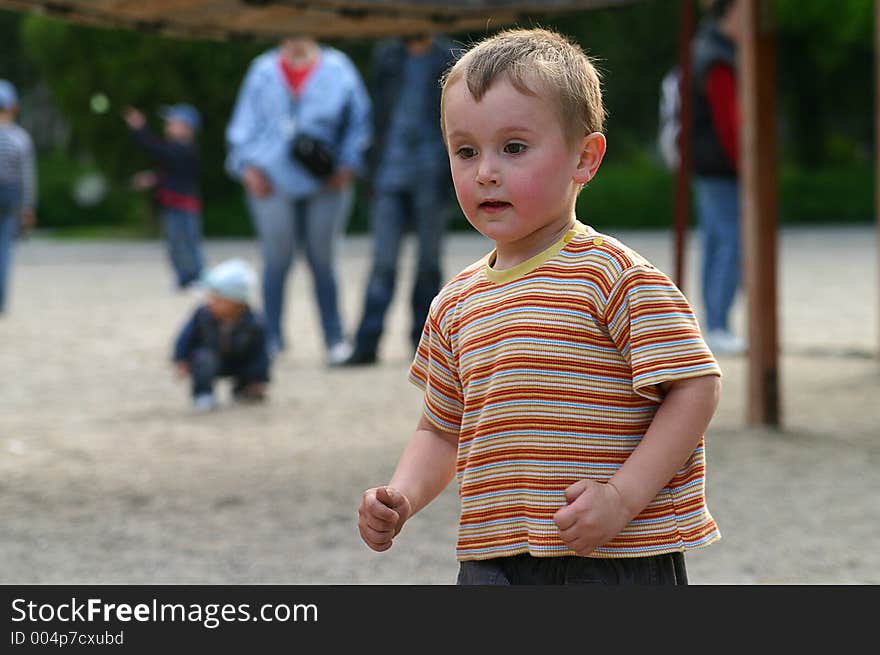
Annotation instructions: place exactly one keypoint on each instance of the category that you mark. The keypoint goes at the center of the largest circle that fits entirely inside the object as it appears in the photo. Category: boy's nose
(487, 172)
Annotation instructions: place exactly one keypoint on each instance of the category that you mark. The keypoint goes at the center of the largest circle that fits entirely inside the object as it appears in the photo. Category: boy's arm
(597, 512)
(183, 345)
(426, 467)
(153, 145)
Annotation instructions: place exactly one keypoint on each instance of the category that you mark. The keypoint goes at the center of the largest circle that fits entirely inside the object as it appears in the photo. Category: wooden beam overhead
(273, 19)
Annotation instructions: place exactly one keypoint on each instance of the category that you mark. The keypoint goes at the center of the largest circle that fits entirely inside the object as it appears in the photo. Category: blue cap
(233, 279)
(182, 112)
(8, 96)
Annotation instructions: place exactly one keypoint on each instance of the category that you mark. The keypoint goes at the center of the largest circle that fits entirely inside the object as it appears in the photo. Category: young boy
(18, 182)
(177, 184)
(224, 338)
(567, 384)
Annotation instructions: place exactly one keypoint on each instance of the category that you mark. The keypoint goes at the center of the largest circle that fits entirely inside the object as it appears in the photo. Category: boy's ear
(590, 154)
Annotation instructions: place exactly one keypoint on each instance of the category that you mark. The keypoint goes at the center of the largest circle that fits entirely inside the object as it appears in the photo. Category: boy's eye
(515, 148)
(466, 152)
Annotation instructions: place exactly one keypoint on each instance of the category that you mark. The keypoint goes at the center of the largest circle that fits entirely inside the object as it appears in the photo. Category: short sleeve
(434, 370)
(654, 327)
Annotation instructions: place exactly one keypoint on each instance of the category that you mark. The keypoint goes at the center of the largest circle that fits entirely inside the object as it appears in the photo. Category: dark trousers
(392, 214)
(207, 366)
(524, 569)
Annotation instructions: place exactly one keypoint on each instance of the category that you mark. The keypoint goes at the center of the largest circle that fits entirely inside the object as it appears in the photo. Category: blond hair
(536, 62)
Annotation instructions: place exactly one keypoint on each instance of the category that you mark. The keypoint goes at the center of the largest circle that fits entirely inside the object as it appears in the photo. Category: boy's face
(178, 130)
(223, 309)
(515, 172)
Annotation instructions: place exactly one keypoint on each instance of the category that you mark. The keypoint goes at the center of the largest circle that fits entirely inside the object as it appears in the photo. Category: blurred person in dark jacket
(410, 183)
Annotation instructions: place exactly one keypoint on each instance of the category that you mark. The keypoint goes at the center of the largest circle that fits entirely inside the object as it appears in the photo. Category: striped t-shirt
(549, 374)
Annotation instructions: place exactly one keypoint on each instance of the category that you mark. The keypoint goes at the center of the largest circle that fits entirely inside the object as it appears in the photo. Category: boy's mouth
(494, 205)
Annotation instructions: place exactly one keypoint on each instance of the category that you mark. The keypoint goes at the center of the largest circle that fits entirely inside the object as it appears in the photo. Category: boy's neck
(237, 314)
(231, 319)
(7, 117)
(509, 255)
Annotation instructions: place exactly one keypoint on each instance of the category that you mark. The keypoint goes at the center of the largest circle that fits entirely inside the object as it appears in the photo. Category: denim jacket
(395, 112)
(243, 348)
(334, 107)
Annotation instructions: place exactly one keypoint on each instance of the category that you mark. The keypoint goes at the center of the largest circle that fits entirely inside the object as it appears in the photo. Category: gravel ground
(106, 477)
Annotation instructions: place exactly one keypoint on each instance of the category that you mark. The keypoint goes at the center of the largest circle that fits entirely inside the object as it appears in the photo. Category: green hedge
(57, 175)
(833, 195)
(641, 194)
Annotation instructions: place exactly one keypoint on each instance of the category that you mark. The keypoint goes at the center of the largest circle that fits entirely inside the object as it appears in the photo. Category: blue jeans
(392, 212)
(718, 216)
(10, 208)
(183, 236)
(318, 222)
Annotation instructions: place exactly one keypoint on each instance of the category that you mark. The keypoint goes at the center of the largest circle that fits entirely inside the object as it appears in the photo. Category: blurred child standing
(176, 184)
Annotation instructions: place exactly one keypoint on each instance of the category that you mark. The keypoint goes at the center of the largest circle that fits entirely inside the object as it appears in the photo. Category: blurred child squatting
(224, 338)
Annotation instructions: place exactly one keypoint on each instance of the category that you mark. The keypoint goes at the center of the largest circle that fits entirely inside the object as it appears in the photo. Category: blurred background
(75, 80)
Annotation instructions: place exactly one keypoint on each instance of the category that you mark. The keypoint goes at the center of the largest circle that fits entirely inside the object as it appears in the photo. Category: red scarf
(296, 76)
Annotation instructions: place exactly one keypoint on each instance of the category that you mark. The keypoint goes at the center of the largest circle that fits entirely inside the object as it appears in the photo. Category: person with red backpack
(716, 129)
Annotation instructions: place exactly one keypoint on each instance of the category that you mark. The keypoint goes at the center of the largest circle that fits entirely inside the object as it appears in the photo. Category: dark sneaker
(249, 395)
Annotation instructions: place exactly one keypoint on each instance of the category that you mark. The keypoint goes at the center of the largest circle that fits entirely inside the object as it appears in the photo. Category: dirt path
(106, 477)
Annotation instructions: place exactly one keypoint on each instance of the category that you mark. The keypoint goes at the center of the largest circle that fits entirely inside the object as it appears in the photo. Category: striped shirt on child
(549, 373)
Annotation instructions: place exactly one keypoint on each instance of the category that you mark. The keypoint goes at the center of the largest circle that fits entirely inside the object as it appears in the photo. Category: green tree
(142, 70)
(824, 52)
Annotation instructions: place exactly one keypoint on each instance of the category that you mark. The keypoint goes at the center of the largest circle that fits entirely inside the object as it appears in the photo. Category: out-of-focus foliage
(145, 71)
(825, 63)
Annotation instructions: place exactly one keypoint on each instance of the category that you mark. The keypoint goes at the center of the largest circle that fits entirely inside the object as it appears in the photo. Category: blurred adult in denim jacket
(300, 88)
(410, 180)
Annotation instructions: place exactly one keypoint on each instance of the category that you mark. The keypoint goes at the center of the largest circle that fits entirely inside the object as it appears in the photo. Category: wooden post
(877, 151)
(759, 195)
(682, 204)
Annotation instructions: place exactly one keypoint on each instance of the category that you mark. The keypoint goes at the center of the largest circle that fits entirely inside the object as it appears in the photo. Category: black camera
(314, 154)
